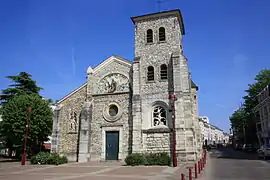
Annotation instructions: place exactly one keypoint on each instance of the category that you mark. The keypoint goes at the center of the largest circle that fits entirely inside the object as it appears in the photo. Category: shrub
(135, 159)
(162, 158)
(56, 159)
(40, 158)
(49, 158)
(148, 159)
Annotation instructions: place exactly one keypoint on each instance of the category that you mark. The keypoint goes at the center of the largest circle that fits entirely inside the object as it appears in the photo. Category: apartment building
(211, 134)
(262, 114)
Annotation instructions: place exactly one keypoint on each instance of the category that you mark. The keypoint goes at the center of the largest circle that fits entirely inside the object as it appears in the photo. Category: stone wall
(69, 121)
(156, 142)
(101, 123)
(156, 53)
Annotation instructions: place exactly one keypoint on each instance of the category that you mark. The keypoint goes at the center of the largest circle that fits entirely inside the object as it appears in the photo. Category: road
(227, 164)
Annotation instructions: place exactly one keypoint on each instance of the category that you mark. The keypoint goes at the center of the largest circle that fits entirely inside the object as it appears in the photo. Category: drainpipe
(172, 98)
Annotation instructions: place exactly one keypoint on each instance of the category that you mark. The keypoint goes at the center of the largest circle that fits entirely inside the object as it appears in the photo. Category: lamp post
(172, 99)
(26, 136)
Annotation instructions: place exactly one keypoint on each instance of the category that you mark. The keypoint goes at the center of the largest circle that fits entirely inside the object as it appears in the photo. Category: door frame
(103, 150)
(115, 135)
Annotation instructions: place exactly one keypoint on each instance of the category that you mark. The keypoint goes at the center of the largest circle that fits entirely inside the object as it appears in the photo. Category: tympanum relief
(114, 82)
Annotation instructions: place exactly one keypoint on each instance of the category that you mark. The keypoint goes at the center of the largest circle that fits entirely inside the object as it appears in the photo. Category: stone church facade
(124, 106)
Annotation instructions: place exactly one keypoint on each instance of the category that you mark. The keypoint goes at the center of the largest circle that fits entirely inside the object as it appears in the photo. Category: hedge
(148, 159)
(48, 158)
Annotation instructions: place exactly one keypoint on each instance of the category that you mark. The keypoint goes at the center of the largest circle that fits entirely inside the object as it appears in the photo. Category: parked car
(248, 148)
(238, 147)
(264, 151)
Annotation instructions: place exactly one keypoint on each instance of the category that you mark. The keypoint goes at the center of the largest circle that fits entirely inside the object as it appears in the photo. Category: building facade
(124, 106)
(211, 134)
(262, 114)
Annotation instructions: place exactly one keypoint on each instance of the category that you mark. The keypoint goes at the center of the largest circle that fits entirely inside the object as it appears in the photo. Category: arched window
(159, 116)
(161, 33)
(149, 36)
(163, 71)
(150, 73)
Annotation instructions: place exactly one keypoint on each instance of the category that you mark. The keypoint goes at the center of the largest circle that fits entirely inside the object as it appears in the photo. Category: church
(126, 106)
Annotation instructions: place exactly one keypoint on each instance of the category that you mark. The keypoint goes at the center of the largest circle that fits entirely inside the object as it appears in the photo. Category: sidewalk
(91, 171)
(207, 171)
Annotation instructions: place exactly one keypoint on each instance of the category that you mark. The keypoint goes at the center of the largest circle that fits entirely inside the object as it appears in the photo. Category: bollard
(205, 157)
(201, 164)
(196, 171)
(199, 169)
(182, 176)
(190, 173)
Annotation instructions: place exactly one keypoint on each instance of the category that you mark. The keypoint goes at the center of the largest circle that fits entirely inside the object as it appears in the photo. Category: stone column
(136, 109)
(86, 116)
(56, 129)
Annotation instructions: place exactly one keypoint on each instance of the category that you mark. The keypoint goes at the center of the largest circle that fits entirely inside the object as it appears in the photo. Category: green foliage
(244, 116)
(23, 84)
(40, 158)
(14, 115)
(135, 159)
(238, 119)
(49, 158)
(148, 159)
(56, 159)
(162, 158)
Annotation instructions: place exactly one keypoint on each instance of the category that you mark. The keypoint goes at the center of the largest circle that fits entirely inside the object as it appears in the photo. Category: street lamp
(26, 136)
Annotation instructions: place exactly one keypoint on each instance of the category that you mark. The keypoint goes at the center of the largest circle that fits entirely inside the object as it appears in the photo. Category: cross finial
(159, 2)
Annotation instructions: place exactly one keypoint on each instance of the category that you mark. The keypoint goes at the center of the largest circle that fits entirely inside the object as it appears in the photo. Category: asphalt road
(227, 164)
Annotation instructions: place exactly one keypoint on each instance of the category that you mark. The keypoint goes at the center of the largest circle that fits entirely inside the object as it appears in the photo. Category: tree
(23, 84)
(262, 79)
(237, 119)
(244, 117)
(14, 115)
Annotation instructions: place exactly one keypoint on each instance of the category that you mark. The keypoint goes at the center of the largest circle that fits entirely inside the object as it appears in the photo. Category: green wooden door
(112, 145)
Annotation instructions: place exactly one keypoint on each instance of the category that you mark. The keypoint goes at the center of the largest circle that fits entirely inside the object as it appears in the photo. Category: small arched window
(159, 116)
(163, 71)
(161, 33)
(150, 73)
(149, 36)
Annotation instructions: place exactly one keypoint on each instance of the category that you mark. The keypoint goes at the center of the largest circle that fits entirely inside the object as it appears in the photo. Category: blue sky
(226, 43)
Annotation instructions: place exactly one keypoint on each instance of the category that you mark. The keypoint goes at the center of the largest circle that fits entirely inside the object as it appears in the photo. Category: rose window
(159, 116)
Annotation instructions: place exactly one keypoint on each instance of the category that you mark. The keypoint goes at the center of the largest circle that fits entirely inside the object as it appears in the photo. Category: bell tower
(160, 69)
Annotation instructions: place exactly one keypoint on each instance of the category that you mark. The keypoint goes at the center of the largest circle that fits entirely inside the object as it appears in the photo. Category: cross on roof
(159, 3)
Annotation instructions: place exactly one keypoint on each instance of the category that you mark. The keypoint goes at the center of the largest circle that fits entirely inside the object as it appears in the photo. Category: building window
(163, 71)
(161, 34)
(150, 73)
(159, 116)
(149, 36)
(113, 110)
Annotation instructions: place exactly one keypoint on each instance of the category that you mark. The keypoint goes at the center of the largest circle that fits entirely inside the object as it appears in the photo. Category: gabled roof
(72, 92)
(102, 64)
(175, 12)
(110, 59)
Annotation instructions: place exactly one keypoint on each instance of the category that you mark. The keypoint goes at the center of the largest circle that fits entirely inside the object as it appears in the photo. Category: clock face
(114, 82)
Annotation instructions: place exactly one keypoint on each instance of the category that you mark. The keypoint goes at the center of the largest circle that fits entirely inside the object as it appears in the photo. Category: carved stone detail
(112, 116)
(74, 120)
(114, 82)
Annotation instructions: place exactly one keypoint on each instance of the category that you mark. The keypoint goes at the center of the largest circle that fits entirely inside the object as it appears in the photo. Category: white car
(264, 151)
